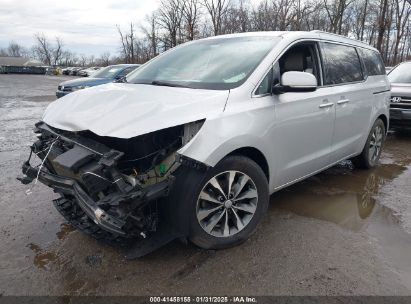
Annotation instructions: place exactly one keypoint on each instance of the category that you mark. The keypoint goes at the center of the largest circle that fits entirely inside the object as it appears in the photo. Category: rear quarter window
(341, 64)
(372, 61)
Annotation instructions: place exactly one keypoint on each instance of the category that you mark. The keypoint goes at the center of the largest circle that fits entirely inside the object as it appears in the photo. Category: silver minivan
(192, 144)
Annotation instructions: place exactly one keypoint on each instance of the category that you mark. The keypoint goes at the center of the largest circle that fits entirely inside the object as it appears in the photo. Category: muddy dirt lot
(342, 232)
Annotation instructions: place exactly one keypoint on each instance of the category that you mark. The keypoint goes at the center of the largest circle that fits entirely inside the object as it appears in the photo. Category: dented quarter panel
(128, 110)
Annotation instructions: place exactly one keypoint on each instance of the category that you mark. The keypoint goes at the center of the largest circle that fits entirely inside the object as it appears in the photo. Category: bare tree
(191, 13)
(43, 49)
(335, 11)
(15, 49)
(128, 43)
(170, 17)
(67, 58)
(217, 10)
(237, 18)
(83, 60)
(382, 23)
(378, 22)
(57, 51)
(402, 14)
(151, 32)
(105, 59)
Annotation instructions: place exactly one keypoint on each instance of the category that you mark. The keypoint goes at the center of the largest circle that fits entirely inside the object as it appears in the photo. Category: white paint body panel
(295, 135)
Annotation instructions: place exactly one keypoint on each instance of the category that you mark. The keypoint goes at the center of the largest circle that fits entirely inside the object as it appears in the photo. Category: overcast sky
(86, 26)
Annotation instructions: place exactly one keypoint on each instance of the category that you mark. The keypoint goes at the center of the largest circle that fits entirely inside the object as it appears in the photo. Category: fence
(22, 70)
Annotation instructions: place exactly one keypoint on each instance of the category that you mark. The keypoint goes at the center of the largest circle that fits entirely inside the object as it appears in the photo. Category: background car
(400, 107)
(74, 71)
(88, 71)
(105, 75)
(66, 71)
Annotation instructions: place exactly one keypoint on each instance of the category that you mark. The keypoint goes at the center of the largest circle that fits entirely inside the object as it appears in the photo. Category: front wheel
(228, 203)
(371, 153)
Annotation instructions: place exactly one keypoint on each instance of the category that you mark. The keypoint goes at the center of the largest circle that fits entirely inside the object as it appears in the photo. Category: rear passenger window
(341, 64)
(372, 61)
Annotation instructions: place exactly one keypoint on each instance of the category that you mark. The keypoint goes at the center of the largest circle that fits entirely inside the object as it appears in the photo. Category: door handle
(343, 101)
(326, 105)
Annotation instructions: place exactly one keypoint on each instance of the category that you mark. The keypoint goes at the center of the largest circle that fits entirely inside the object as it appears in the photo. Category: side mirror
(296, 82)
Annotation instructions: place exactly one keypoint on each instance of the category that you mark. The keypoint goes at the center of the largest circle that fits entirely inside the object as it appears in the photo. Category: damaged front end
(117, 182)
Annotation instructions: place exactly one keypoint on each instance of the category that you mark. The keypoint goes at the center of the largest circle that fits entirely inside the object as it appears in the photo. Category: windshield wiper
(167, 84)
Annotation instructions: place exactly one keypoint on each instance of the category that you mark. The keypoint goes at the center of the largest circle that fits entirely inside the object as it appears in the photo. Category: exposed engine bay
(116, 182)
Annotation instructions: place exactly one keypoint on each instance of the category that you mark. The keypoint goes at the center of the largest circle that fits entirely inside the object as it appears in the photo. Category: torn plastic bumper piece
(90, 207)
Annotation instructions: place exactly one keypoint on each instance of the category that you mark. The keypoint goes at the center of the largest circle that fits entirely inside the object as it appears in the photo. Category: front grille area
(63, 88)
(400, 102)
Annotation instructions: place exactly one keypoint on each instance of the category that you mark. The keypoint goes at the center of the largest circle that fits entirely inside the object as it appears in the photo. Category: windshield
(108, 72)
(217, 64)
(401, 74)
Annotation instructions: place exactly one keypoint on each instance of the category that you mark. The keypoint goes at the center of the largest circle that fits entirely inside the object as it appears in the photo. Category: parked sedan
(400, 110)
(67, 70)
(74, 71)
(105, 75)
(88, 71)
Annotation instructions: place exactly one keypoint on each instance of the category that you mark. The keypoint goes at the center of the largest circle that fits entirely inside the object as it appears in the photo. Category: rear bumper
(400, 118)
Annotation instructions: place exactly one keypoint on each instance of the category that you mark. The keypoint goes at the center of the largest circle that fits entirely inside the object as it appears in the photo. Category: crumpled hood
(127, 110)
(89, 81)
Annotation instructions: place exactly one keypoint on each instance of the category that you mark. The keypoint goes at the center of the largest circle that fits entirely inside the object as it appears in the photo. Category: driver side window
(301, 57)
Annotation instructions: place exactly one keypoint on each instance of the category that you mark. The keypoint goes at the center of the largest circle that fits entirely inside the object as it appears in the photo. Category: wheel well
(385, 121)
(256, 156)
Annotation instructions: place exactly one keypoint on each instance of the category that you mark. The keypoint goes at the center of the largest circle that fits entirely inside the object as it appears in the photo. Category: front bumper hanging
(82, 153)
(90, 207)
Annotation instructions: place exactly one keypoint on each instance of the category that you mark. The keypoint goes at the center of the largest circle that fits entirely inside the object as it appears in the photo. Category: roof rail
(342, 36)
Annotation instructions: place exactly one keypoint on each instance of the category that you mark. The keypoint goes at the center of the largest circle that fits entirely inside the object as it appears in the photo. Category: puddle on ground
(65, 230)
(42, 258)
(342, 194)
(371, 201)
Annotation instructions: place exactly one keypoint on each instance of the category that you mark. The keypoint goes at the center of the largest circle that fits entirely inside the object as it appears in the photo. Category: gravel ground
(341, 232)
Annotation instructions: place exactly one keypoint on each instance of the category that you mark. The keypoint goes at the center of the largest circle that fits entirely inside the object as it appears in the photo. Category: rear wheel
(371, 153)
(228, 203)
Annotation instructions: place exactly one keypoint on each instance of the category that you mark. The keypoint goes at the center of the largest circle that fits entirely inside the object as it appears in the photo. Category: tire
(192, 185)
(72, 212)
(368, 159)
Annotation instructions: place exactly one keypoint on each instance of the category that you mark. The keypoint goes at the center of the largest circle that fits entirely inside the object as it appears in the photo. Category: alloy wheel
(375, 144)
(227, 203)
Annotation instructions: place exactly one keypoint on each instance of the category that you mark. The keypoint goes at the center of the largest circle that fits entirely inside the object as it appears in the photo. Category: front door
(304, 120)
(304, 133)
